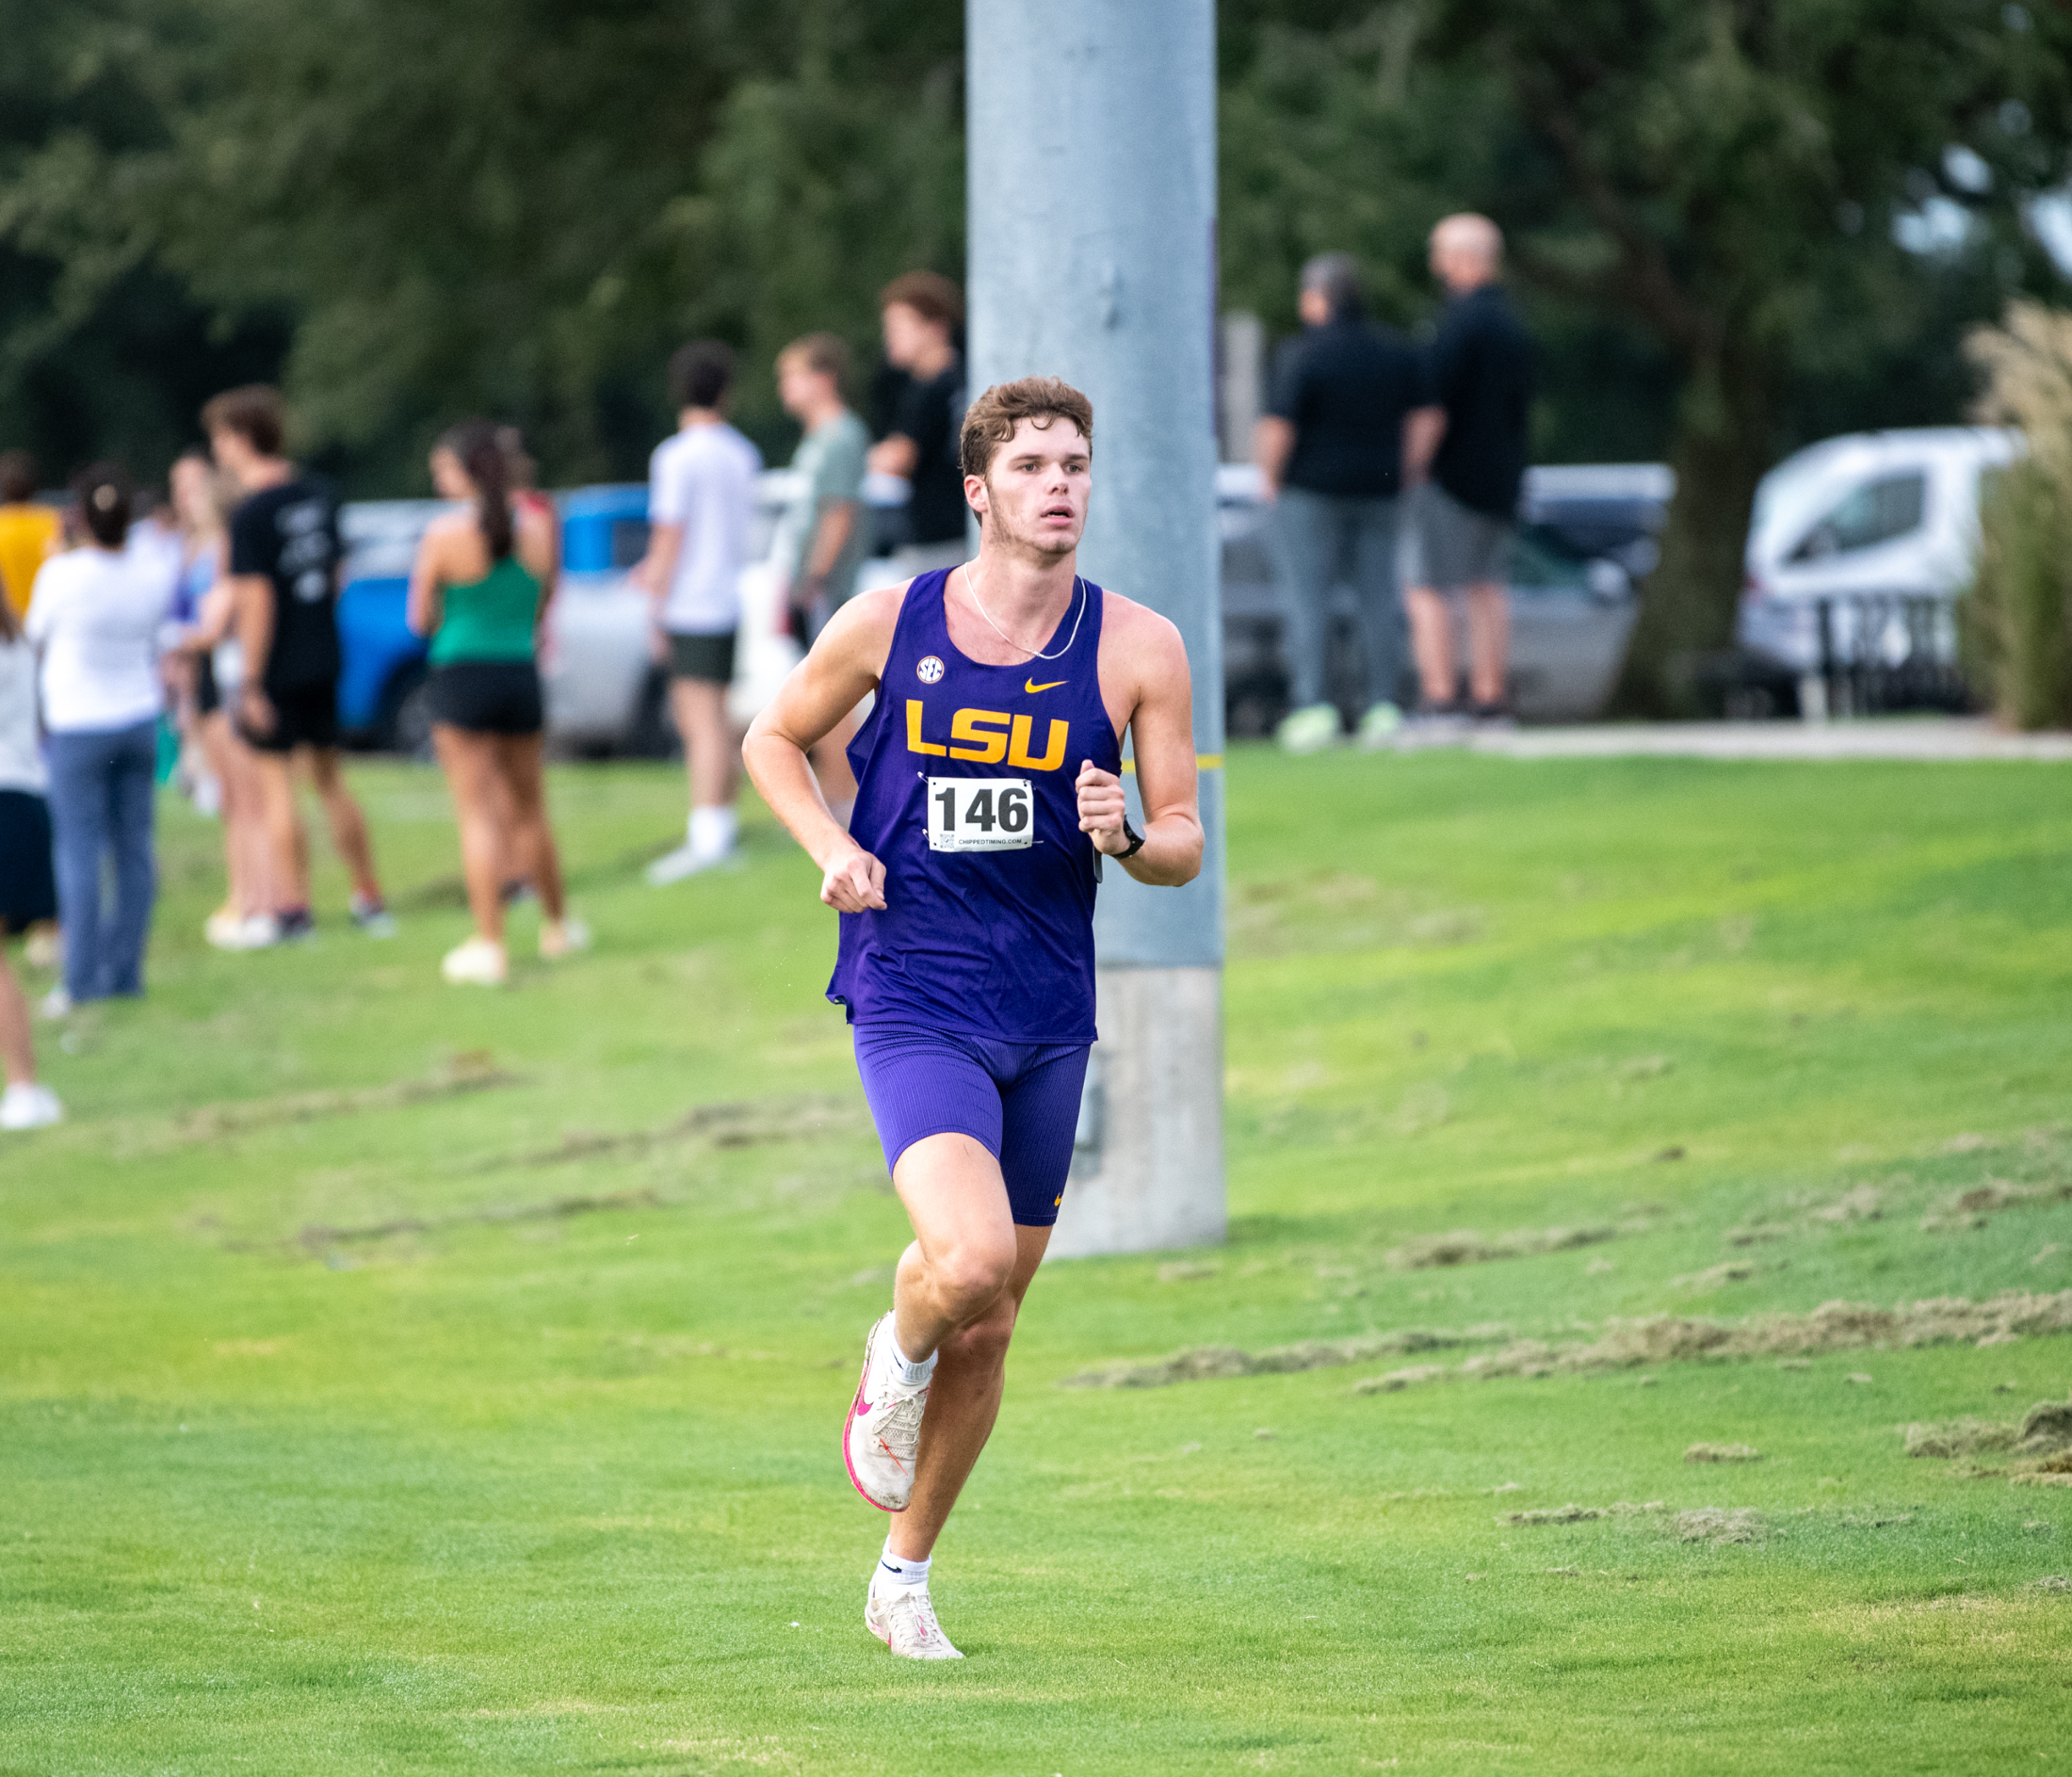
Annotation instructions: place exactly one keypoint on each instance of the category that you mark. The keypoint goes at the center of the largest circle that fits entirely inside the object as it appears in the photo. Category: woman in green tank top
(478, 590)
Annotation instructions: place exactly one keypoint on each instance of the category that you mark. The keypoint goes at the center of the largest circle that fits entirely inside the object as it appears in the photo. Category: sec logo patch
(929, 669)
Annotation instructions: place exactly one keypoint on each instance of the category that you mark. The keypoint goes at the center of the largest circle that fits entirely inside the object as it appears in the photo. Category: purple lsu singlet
(965, 791)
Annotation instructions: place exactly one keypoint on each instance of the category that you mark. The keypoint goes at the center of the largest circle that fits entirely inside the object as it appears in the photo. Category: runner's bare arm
(842, 669)
(1162, 730)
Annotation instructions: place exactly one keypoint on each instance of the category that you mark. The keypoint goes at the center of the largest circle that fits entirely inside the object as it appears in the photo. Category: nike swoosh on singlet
(1032, 687)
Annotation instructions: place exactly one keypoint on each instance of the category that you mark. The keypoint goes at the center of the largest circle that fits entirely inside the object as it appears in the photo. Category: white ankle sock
(911, 1374)
(896, 1570)
(710, 830)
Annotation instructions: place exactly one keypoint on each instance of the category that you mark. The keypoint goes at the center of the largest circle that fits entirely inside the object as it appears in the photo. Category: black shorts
(28, 890)
(709, 659)
(487, 697)
(303, 716)
(208, 697)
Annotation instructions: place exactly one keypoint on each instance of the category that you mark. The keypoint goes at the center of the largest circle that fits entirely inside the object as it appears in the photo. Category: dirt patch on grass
(1580, 1514)
(1204, 1362)
(1723, 1453)
(1466, 1247)
(316, 1238)
(473, 1070)
(1623, 1344)
(1975, 1208)
(1720, 1524)
(741, 1124)
(2039, 1444)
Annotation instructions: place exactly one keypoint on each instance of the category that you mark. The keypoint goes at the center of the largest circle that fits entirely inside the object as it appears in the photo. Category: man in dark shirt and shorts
(921, 311)
(284, 557)
(1473, 440)
(1331, 447)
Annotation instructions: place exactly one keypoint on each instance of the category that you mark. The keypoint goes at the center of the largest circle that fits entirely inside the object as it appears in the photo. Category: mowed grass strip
(394, 1377)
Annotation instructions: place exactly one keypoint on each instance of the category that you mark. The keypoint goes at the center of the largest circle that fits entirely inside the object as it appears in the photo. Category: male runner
(988, 794)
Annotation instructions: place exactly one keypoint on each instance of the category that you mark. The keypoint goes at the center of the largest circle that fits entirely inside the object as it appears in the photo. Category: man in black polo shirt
(1331, 447)
(1473, 440)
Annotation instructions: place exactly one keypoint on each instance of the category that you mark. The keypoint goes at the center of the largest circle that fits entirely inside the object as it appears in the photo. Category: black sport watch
(1136, 841)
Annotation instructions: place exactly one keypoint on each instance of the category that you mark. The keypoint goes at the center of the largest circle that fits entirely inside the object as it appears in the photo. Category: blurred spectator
(284, 556)
(701, 509)
(94, 619)
(28, 532)
(477, 591)
(246, 920)
(821, 536)
(27, 893)
(921, 313)
(1331, 447)
(1473, 440)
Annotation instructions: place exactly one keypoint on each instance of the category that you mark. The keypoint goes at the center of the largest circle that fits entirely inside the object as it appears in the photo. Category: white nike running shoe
(885, 1426)
(903, 1619)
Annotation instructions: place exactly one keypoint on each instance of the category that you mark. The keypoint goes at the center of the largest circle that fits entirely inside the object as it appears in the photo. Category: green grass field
(395, 1377)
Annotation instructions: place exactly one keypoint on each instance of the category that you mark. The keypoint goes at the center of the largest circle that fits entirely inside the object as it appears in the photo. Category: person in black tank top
(989, 796)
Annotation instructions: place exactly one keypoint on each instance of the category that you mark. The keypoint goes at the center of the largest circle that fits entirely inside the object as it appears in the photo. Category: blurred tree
(1703, 195)
(102, 352)
(518, 207)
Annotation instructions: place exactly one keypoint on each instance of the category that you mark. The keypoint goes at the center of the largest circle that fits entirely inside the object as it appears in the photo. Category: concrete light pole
(1091, 143)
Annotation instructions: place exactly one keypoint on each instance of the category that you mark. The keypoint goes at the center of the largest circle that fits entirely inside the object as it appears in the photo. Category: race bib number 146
(980, 814)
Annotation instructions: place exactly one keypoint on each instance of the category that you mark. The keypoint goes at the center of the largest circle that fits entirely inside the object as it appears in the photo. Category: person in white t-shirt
(94, 618)
(27, 895)
(701, 509)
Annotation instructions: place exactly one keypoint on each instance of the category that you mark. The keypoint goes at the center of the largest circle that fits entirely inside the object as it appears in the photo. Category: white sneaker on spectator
(55, 1004)
(478, 962)
(28, 1104)
(1310, 729)
(686, 861)
(564, 939)
(1379, 726)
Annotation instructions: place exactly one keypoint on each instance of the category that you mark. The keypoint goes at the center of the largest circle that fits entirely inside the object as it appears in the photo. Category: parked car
(1586, 533)
(1858, 548)
(605, 690)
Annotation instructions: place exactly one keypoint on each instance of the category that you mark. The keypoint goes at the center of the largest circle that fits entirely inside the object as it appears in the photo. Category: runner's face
(1036, 492)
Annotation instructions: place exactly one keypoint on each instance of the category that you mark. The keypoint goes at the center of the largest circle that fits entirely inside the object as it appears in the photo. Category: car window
(629, 540)
(1543, 561)
(1874, 513)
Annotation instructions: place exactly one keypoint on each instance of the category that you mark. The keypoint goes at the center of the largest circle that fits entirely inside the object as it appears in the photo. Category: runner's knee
(973, 1272)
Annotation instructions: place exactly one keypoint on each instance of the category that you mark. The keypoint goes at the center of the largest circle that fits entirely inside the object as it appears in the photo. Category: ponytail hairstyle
(106, 498)
(476, 446)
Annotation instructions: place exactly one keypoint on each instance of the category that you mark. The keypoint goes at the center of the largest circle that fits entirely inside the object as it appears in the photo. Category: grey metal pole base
(1147, 1171)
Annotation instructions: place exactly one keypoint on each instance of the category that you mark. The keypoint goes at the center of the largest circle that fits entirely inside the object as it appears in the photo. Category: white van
(1873, 536)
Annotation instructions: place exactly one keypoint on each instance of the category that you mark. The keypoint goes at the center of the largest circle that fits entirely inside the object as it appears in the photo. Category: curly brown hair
(989, 420)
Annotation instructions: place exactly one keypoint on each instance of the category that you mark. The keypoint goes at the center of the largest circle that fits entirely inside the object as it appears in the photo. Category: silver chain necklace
(1078, 590)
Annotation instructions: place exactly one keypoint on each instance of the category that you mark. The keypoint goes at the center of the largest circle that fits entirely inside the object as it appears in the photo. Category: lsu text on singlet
(965, 791)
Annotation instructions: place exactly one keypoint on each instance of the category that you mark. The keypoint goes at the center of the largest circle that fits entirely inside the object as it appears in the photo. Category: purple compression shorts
(1019, 1100)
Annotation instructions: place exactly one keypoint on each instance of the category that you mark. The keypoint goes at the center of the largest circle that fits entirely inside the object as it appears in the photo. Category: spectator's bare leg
(530, 838)
(287, 844)
(482, 799)
(1432, 642)
(16, 1056)
(712, 750)
(349, 825)
(1488, 641)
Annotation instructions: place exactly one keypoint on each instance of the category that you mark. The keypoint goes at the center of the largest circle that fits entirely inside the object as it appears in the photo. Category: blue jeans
(1319, 542)
(101, 794)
